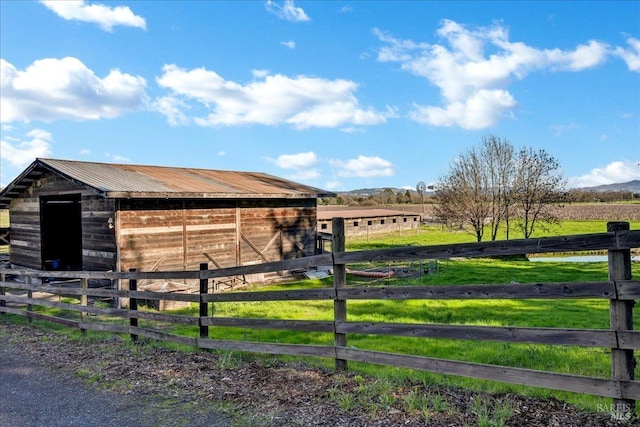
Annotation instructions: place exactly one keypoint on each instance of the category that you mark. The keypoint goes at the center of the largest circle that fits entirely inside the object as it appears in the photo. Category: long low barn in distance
(358, 222)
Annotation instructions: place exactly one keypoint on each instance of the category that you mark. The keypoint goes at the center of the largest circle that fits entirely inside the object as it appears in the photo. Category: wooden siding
(99, 251)
(25, 232)
(180, 235)
(98, 244)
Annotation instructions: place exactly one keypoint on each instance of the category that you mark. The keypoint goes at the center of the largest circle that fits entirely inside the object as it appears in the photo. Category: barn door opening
(61, 232)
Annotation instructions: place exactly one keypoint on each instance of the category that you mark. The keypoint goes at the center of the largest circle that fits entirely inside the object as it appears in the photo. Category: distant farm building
(359, 222)
(71, 215)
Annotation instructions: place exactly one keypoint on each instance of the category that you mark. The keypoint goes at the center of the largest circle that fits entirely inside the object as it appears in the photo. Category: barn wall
(98, 234)
(277, 230)
(176, 235)
(98, 243)
(24, 220)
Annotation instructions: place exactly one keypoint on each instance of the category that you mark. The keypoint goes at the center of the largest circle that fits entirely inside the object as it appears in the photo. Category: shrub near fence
(620, 290)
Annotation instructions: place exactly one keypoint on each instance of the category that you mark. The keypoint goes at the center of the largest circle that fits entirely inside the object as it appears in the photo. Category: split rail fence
(620, 290)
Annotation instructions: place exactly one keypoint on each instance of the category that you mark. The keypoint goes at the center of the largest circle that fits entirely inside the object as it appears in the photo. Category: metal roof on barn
(139, 181)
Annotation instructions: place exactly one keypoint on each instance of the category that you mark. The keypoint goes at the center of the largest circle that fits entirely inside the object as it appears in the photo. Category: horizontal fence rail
(20, 298)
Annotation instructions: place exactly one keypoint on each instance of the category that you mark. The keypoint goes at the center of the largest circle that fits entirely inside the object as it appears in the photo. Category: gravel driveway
(34, 393)
(50, 380)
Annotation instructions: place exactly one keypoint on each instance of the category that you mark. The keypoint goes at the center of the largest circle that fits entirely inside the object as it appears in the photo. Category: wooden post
(133, 304)
(84, 300)
(339, 281)
(30, 295)
(204, 307)
(621, 318)
(3, 303)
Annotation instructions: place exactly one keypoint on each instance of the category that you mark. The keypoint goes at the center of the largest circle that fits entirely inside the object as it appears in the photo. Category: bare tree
(539, 187)
(461, 195)
(490, 185)
(499, 160)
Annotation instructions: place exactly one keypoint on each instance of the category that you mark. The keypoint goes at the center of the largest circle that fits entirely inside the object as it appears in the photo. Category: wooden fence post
(621, 319)
(133, 304)
(31, 281)
(84, 300)
(204, 307)
(3, 303)
(339, 281)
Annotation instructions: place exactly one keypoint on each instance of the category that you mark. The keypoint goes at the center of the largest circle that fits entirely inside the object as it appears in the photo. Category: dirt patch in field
(268, 392)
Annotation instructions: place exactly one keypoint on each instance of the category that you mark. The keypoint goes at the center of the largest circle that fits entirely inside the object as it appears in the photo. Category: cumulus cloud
(270, 99)
(363, 167)
(20, 152)
(53, 89)
(288, 11)
(104, 16)
(615, 172)
(302, 163)
(290, 44)
(297, 161)
(472, 68)
(631, 55)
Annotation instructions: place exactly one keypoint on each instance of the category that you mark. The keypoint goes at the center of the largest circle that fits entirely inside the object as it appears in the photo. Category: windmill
(421, 187)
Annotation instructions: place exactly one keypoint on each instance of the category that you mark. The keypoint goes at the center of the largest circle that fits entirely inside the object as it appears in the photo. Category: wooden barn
(72, 215)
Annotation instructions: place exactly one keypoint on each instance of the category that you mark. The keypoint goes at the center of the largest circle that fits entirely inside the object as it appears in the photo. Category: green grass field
(590, 314)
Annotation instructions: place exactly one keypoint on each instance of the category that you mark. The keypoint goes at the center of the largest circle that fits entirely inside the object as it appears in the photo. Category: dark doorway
(61, 228)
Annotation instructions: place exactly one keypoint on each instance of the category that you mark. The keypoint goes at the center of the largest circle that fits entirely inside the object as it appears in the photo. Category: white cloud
(271, 99)
(288, 11)
(104, 16)
(479, 111)
(53, 89)
(332, 185)
(21, 152)
(613, 173)
(290, 44)
(632, 55)
(472, 68)
(363, 167)
(297, 161)
(172, 108)
(302, 163)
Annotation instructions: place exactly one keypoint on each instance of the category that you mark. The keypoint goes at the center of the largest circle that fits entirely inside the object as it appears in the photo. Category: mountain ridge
(631, 186)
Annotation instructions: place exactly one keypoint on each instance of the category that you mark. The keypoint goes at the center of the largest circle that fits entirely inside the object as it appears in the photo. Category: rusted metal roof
(139, 181)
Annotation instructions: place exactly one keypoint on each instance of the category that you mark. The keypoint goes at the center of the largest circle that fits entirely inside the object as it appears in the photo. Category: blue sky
(340, 95)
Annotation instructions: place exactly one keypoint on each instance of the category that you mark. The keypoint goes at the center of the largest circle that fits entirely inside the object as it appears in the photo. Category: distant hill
(631, 186)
